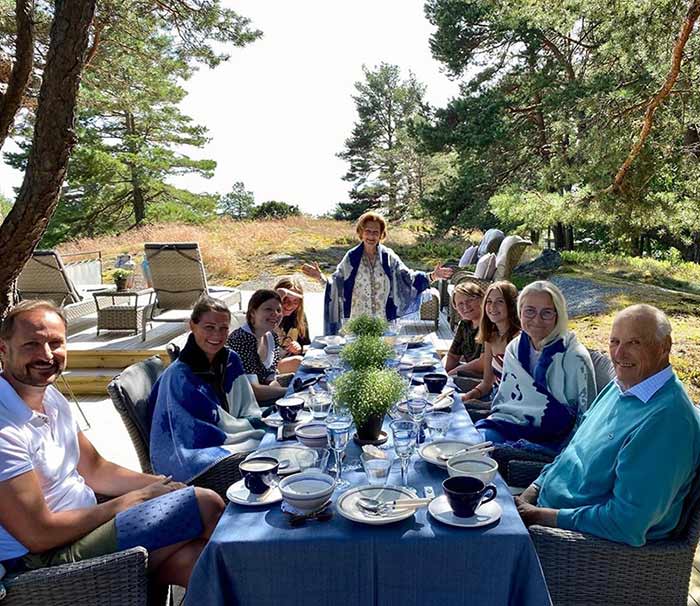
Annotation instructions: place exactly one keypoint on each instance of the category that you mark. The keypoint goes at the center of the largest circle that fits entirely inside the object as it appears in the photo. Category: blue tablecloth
(256, 558)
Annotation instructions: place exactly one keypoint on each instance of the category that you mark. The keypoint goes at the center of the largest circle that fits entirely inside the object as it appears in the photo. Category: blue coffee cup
(259, 474)
(466, 494)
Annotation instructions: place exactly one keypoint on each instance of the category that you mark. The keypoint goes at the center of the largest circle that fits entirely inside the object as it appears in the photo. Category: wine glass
(416, 410)
(338, 429)
(404, 434)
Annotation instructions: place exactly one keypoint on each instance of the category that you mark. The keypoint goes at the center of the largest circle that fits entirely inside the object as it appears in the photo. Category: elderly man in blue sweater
(629, 466)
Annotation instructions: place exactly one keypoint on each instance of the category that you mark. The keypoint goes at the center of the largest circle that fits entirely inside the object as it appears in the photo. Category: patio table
(255, 557)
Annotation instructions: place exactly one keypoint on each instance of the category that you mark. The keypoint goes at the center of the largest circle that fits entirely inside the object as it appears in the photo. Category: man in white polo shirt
(49, 471)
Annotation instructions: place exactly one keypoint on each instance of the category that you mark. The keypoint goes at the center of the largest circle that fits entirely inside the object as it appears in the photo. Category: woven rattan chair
(118, 579)
(130, 391)
(179, 279)
(45, 277)
(430, 307)
(583, 570)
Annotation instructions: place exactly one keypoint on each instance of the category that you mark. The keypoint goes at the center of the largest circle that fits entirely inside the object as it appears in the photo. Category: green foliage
(671, 272)
(275, 210)
(238, 203)
(386, 168)
(367, 351)
(365, 324)
(551, 102)
(369, 392)
(5, 206)
(120, 274)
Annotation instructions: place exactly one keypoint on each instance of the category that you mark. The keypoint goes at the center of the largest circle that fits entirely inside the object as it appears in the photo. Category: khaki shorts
(101, 541)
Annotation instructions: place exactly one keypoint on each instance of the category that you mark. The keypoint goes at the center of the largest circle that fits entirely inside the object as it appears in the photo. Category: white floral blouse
(371, 290)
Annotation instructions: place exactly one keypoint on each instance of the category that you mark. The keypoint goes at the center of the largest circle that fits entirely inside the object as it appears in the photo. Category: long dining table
(255, 557)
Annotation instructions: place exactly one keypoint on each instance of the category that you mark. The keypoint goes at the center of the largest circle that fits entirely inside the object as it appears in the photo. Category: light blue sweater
(628, 468)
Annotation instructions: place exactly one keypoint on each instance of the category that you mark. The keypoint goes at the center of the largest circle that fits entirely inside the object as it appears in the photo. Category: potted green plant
(366, 352)
(120, 277)
(369, 394)
(365, 324)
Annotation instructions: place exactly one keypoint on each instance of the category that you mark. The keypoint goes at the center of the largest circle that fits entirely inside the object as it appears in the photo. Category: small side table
(121, 309)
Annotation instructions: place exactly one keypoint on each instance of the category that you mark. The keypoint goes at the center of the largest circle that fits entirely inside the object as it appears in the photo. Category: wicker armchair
(430, 308)
(583, 570)
(130, 391)
(118, 579)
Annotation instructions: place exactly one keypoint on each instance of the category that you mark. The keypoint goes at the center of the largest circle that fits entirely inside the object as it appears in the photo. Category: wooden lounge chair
(130, 391)
(46, 277)
(584, 570)
(179, 279)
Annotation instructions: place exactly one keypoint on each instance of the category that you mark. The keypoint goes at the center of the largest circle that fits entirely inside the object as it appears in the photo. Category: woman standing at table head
(257, 345)
(371, 279)
(293, 331)
(499, 325)
(548, 377)
(203, 408)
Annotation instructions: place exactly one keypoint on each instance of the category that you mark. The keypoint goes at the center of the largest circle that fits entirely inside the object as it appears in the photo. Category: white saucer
(315, 364)
(275, 420)
(348, 508)
(239, 494)
(281, 453)
(330, 340)
(429, 452)
(488, 513)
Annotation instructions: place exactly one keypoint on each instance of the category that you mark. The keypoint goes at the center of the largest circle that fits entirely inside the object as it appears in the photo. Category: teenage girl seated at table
(293, 331)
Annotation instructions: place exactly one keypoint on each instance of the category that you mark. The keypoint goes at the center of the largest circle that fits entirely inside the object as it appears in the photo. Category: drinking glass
(320, 404)
(404, 434)
(416, 410)
(438, 423)
(339, 429)
(377, 470)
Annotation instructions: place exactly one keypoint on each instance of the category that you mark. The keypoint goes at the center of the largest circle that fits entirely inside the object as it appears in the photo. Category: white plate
(419, 363)
(348, 508)
(281, 453)
(330, 340)
(412, 340)
(428, 452)
(275, 420)
(488, 513)
(333, 349)
(239, 494)
(443, 403)
(316, 364)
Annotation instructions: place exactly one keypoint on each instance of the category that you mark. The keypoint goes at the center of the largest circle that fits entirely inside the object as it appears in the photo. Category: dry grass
(237, 251)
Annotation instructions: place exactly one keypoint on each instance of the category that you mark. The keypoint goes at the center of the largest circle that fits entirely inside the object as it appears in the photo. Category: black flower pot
(370, 429)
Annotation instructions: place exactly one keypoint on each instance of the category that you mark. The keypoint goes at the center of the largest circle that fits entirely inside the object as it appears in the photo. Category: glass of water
(339, 429)
(438, 423)
(416, 410)
(320, 404)
(377, 470)
(405, 434)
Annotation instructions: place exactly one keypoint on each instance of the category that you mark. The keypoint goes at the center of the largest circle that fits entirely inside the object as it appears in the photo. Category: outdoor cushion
(485, 267)
(504, 249)
(468, 257)
(490, 242)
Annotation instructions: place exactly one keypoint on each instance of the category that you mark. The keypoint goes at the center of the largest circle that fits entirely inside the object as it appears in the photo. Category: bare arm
(105, 477)
(25, 515)
(476, 366)
(486, 384)
(451, 362)
(531, 514)
(268, 392)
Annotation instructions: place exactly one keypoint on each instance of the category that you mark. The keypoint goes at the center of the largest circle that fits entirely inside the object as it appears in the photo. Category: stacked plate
(312, 435)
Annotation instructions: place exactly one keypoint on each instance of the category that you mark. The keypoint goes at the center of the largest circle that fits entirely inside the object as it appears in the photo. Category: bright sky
(280, 109)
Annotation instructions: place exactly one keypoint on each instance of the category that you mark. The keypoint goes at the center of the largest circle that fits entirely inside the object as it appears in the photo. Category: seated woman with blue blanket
(548, 379)
(371, 279)
(203, 406)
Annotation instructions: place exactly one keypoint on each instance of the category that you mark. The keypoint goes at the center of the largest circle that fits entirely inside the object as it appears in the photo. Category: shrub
(366, 352)
(369, 392)
(366, 325)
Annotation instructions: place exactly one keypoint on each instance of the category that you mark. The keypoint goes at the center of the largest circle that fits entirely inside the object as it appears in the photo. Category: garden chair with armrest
(130, 391)
(584, 570)
(117, 579)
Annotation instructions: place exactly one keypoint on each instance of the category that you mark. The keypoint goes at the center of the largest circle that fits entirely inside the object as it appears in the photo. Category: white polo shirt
(46, 443)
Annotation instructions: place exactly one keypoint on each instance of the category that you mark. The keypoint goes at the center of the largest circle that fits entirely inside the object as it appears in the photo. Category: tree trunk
(53, 141)
(138, 199)
(11, 101)
(569, 237)
(559, 237)
(535, 236)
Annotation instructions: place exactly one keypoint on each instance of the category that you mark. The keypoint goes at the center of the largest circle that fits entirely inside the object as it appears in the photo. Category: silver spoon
(481, 448)
(377, 506)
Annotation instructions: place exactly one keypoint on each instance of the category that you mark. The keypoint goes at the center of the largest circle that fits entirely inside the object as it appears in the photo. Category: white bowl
(313, 435)
(307, 491)
(475, 466)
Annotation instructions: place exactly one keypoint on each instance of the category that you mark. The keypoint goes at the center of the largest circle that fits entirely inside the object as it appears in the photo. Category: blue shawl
(405, 287)
(538, 411)
(189, 427)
